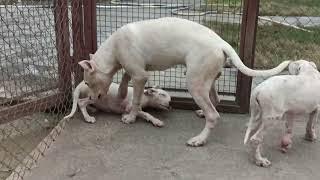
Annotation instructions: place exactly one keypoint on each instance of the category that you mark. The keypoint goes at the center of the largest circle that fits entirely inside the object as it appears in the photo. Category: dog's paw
(196, 141)
(156, 122)
(199, 113)
(128, 118)
(90, 119)
(263, 162)
(310, 137)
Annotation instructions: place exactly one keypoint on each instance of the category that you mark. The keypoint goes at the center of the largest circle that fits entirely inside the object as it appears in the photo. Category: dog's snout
(99, 96)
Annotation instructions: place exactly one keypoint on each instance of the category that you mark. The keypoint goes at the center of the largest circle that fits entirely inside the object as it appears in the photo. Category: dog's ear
(313, 64)
(87, 65)
(156, 87)
(149, 91)
(294, 68)
(91, 56)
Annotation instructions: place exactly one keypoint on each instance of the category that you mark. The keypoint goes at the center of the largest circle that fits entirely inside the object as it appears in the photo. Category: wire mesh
(223, 16)
(31, 95)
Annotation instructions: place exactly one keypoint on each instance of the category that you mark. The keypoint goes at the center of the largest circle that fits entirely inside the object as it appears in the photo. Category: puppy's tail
(76, 94)
(236, 61)
(255, 115)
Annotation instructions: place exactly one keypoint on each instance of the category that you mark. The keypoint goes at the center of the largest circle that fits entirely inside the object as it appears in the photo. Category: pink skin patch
(286, 143)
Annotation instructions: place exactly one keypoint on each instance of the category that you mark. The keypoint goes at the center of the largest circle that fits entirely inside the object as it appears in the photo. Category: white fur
(283, 97)
(152, 97)
(158, 45)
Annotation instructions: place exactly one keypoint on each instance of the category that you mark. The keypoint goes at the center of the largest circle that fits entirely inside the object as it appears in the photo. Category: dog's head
(97, 81)
(301, 65)
(158, 98)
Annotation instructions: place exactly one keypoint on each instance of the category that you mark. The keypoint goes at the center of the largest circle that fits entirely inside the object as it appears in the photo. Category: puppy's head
(97, 81)
(158, 98)
(301, 65)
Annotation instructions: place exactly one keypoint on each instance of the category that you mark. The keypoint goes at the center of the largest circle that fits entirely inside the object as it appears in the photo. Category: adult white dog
(159, 44)
(118, 100)
(283, 97)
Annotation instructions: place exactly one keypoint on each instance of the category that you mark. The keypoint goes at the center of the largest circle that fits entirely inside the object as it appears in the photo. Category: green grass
(290, 7)
(271, 7)
(275, 43)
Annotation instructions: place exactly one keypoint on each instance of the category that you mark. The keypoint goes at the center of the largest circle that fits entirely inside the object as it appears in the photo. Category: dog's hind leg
(199, 85)
(310, 129)
(213, 94)
(83, 103)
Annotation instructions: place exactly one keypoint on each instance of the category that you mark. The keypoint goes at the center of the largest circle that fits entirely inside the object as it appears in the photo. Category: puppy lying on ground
(283, 97)
(118, 100)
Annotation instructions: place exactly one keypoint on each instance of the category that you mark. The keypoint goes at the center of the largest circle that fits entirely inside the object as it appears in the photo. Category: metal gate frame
(247, 50)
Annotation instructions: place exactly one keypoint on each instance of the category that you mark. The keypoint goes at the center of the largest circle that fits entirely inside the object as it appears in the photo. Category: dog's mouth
(165, 107)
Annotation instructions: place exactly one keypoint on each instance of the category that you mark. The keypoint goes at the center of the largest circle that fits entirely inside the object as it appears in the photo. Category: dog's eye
(86, 83)
(162, 95)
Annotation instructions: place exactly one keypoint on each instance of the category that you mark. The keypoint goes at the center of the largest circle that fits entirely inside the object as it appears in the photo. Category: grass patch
(290, 7)
(270, 7)
(275, 43)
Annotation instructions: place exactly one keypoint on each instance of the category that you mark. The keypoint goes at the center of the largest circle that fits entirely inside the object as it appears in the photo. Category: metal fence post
(78, 39)
(90, 26)
(63, 46)
(247, 50)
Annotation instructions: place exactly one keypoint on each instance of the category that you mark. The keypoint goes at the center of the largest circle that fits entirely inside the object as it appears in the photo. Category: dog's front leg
(83, 107)
(123, 87)
(138, 87)
(149, 118)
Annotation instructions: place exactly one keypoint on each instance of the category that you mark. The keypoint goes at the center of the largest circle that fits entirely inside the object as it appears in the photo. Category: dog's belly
(111, 104)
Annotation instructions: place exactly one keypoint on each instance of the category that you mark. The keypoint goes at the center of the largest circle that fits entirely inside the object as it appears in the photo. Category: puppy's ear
(150, 91)
(87, 65)
(313, 64)
(156, 87)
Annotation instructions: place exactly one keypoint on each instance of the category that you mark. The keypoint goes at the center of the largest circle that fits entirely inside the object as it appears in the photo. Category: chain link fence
(35, 80)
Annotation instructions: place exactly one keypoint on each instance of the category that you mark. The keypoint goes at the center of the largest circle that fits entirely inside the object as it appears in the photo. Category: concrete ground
(112, 150)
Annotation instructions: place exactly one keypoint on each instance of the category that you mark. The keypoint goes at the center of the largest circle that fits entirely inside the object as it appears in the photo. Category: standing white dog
(283, 97)
(118, 100)
(159, 44)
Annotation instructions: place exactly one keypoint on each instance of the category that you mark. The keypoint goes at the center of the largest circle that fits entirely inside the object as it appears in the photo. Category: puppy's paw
(263, 162)
(199, 113)
(156, 122)
(128, 118)
(196, 141)
(90, 119)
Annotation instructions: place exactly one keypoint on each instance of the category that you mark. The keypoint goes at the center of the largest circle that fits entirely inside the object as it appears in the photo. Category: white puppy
(159, 44)
(118, 100)
(283, 97)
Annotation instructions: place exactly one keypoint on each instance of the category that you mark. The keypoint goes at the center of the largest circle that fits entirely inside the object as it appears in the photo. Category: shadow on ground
(111, 150)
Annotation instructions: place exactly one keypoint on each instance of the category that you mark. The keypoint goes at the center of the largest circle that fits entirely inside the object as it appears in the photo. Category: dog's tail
(255, 115)
(76, 94)
(236, 61)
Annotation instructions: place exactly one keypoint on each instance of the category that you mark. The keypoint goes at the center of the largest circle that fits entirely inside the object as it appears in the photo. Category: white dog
(118, 100)
(159, 44)
(283, 97)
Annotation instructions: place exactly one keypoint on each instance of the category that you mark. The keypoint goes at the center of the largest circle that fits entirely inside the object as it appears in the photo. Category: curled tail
(76, 94)
(255, 115)
(236, 61)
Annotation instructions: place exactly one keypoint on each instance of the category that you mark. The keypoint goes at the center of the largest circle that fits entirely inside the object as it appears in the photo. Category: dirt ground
(111, 150)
